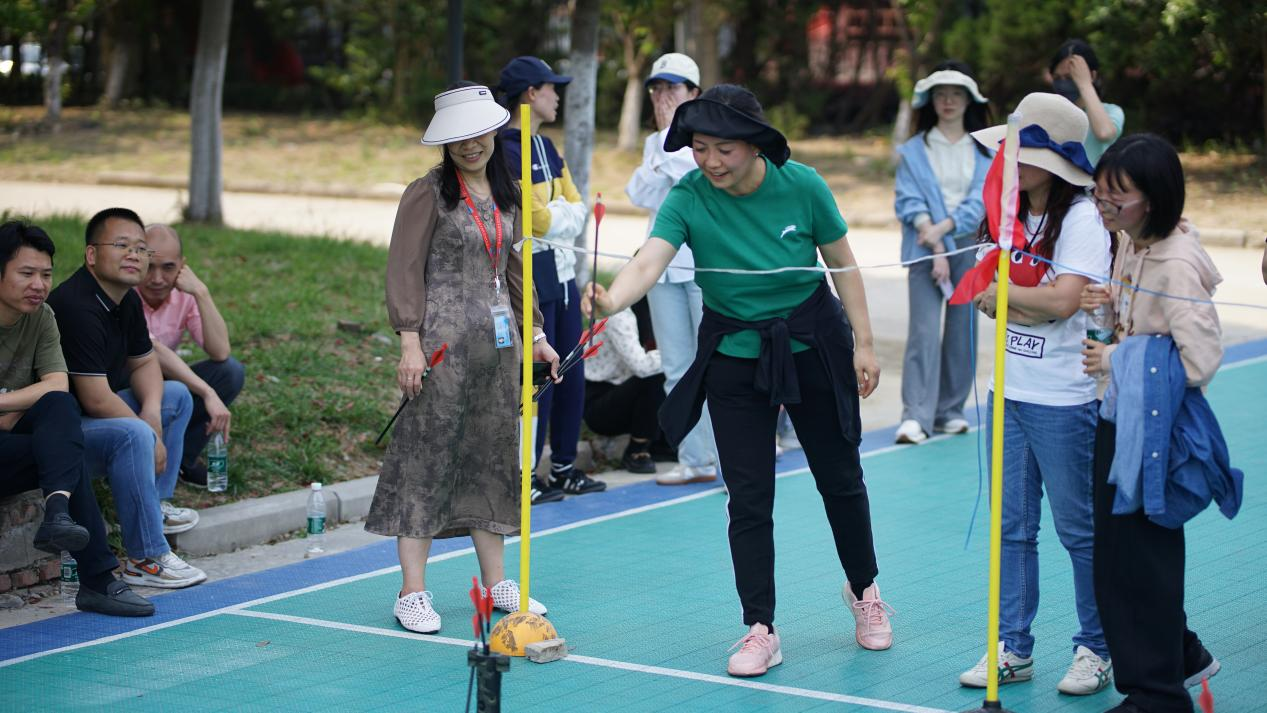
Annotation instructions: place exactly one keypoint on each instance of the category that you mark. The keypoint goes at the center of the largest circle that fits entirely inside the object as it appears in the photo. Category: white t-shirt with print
(1044, 362)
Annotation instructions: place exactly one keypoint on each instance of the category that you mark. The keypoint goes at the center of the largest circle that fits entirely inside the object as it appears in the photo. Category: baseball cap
(523, 72)
(674, 67)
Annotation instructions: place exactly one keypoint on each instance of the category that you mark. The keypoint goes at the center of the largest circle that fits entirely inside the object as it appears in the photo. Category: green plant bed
(316, 395)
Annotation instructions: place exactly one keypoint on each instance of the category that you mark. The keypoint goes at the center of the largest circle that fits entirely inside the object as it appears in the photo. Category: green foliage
(788, 120)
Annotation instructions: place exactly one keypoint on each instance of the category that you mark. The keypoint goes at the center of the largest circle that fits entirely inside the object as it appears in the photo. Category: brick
(51, 571)
(6, 583)
(25, 578)
(546, 651)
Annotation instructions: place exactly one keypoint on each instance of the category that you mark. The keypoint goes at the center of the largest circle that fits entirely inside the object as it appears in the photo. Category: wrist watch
(538, 337)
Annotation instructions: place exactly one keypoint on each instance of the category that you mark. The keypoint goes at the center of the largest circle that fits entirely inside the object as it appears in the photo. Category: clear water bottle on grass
(70, 578)
(316, 521)
(217, 463)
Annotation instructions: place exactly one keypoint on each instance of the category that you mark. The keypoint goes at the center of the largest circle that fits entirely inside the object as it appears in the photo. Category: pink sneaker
(758, 651)
(871, 617)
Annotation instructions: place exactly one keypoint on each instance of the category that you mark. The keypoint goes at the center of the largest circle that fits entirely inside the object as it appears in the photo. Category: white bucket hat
(949, 77)
(676, 68)
(462, 114)
(1063, 129)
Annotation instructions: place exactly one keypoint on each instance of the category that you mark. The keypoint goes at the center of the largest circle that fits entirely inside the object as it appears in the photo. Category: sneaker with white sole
(177, 520)
(687, 474)
(910, 432)
(872, 629)
(166, 571)
(506, 598)
(1087, 674)
(1012, 669)
(415, 613)
(954, 425)
(759, 650)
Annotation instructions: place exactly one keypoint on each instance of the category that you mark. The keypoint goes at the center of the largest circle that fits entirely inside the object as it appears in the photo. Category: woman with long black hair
(767, 339)
(454, 277)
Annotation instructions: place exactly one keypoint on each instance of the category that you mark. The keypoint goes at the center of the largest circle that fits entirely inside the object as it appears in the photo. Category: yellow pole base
(516, 630)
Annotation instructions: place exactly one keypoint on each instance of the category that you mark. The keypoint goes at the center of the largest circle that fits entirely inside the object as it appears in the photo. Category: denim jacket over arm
(917, 191)
(1170, 455)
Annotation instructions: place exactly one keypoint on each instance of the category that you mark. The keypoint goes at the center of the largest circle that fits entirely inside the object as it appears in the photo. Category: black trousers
(744, 426)
(629, 407)
(226, 379)
(1139, 570)
(45, 450)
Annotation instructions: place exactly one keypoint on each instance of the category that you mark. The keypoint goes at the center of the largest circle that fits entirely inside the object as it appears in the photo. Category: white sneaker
(166, 572)
(177, 520)
(415, 613)
(1012, 669)
(911, 432)
(506, 598)
(686, 474)
(954, 425)
(1088, 674)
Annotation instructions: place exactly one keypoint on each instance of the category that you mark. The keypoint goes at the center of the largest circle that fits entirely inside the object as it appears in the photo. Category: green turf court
(646, 602)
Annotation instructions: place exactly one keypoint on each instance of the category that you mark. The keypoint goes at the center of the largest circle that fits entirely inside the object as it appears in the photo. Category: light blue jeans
(122, 449)
(1052, 447)
(676, 311)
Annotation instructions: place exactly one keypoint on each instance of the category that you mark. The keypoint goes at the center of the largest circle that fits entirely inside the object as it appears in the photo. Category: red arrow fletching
(592, 350)
(438, 355)
(600, 210)
(600, 326)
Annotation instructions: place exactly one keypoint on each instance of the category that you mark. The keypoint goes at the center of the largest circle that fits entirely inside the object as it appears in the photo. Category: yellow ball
(516, 630)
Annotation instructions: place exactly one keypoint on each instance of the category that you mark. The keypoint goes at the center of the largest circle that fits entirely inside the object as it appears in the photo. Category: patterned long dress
(453, 462)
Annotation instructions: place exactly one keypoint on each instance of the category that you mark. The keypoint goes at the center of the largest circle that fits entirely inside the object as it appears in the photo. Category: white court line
(609, 663)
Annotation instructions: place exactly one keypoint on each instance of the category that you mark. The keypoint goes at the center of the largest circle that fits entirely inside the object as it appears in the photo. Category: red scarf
(1026, 273)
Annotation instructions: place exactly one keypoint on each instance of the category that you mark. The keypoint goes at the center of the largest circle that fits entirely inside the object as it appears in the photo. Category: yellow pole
(1010, 191)
(527, 442)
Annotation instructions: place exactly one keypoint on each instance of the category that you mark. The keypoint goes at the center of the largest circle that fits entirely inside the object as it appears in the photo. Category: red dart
(438, 355)
(1206, 699)
(592, 350)
(600, 210)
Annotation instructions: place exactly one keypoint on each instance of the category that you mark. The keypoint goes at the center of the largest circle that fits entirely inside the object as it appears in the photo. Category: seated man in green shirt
(41, 443)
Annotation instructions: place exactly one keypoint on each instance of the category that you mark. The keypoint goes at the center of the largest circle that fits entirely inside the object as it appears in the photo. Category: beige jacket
(1177, 265)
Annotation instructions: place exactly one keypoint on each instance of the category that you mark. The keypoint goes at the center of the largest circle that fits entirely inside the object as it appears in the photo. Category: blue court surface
(638, 580)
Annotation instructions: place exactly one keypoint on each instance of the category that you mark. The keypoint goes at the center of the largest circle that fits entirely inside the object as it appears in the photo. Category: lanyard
(494, 256)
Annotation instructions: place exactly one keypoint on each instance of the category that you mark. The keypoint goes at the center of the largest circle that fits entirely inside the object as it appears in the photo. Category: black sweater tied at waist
(819, 322)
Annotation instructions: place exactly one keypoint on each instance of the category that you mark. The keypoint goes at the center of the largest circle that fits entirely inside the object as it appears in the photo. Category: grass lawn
(315, 396)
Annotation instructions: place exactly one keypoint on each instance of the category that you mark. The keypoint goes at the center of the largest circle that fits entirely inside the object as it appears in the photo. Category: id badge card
(501, 327)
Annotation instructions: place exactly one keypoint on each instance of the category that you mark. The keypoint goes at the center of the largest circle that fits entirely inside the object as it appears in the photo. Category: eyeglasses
(134, 249)
(665, 87)
(1107, 206)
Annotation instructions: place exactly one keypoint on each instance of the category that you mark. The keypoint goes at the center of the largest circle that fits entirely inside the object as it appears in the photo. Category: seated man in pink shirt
(176, 301)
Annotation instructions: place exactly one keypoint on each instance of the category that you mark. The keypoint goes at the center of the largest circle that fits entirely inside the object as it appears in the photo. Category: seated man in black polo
(134, 422)
(41, 443)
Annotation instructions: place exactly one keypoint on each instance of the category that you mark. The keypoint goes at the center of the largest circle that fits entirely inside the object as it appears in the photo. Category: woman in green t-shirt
(772, 333)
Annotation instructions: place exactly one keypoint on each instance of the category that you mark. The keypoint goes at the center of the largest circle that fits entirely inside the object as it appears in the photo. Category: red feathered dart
(1206, 699)
(436, 357)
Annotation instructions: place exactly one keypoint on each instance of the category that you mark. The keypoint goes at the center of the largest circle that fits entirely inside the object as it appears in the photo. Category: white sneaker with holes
(415, 613)
(910, 432)
(506, 598)
(1088, 674)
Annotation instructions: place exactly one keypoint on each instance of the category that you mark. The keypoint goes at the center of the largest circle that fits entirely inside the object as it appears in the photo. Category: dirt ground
(303, 154)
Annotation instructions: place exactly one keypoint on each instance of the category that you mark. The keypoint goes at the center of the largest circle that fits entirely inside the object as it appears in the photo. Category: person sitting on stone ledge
(41, 442)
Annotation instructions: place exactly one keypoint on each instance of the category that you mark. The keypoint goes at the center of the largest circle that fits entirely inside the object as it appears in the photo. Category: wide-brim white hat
(464, 114)
(1064, 123)
(945, 77)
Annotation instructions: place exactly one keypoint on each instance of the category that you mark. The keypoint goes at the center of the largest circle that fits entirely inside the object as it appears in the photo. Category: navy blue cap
(523, 72)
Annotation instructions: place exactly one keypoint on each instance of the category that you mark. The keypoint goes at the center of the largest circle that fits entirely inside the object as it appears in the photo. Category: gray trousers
(937, 368)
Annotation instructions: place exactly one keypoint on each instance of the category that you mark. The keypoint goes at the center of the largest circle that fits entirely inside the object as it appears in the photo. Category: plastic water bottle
(316, 520)
(70, 578)
(217, 464)
(1100, 325)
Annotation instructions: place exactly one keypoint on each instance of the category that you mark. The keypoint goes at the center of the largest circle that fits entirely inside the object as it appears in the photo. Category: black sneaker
(119, 600)
(576, 482)
(60, 532)
(637, 462)
(1198, 663)
(542, 493)
(194, 475)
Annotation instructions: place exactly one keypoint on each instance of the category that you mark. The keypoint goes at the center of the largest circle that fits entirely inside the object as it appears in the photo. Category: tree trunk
(55, 49)
(206, 182)
(631, 106)
(701, 41)
(118, 71)
(578, 121)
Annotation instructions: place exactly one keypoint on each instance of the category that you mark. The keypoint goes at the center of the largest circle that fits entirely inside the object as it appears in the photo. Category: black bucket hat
(722, 120)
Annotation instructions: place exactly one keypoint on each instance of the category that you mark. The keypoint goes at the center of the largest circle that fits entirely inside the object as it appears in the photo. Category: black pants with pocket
(631, 406)
(744, 426)
(1139, 569)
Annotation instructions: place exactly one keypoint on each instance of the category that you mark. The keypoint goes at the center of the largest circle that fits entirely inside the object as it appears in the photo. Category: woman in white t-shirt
(1050, 404)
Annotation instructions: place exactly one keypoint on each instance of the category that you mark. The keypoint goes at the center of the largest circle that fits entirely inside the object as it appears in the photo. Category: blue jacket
(918, 192)
(1170, 453)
